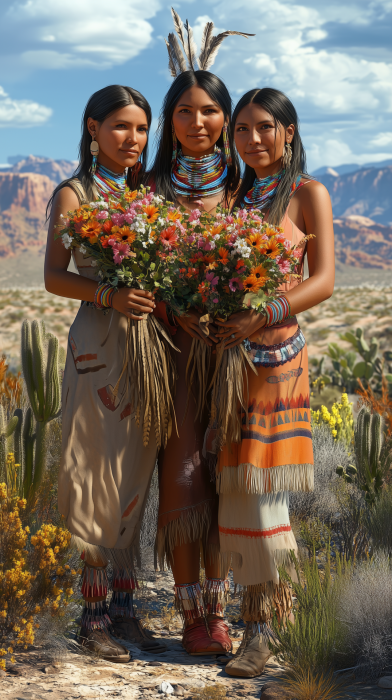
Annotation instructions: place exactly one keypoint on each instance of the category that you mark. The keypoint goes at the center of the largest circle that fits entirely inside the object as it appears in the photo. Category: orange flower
(255, 240)
(260, 273)
(91, 230)
(252, 284)
(104, 241)
(152, 213)
(174, 216)
(80, 215)
(169, 237)
(271, 249)
(191, 272)
(270, 231)
(130, 196)
(209, 260)
(123, 234)
(107, 226)
(216, 230)
(224, 255)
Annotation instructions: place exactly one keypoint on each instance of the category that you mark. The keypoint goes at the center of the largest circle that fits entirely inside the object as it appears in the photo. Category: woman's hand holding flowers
(241, 325)
(133, 302)
(190, 323)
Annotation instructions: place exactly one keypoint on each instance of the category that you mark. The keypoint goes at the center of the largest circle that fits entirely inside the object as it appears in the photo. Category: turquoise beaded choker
(109, 182)
(199, 177)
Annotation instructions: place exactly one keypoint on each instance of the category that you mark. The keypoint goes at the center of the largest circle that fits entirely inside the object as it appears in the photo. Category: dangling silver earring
(287, 155)
(94, 150)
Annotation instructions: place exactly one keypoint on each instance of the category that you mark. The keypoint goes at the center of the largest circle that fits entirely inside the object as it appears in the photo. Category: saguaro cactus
(373, 462)
(41, 374)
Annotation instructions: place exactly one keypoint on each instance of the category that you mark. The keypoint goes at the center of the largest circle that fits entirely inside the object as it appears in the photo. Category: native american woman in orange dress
(275, 453)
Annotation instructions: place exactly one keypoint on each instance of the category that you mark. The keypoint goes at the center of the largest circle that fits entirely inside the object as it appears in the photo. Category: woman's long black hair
(283, 113)
(100, 106)
(160, 175)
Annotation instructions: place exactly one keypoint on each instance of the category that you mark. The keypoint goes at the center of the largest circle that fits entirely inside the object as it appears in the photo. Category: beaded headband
(209, 46)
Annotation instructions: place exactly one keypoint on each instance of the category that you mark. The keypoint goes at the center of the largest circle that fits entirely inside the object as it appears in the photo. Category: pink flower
(235, 284)
(232, 239)
(215, 301)
(65, 222)
(129, 216)
(120, 250)
(229, 219)
(211, 279)
(101, 215)
(284, 266)
(287, 244)
(190, 239)
(118, 219)
(243, 214)
(297, 253)
(256, 218)
(194, 216)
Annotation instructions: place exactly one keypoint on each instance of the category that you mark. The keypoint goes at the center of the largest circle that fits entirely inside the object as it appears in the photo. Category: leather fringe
(188, 600)
(123, 580)
(121, 559)
(94, 582)
(121, 605)
(246, 478)
(192, 525)
(215, 595)
(95, 616)
(260, 601)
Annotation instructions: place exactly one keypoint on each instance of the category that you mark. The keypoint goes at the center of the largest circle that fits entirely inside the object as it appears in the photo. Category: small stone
(19, 671)
(51, 669)
(155, 663)
(179, 691)
(2, 673)
(165, 688)
(385, 682)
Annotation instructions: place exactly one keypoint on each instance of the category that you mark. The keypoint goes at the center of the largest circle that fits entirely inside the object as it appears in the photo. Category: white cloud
(91, 33)
(383, 139)
(21, 113)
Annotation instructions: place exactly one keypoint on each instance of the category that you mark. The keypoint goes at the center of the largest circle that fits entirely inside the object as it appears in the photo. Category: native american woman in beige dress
(105, 470)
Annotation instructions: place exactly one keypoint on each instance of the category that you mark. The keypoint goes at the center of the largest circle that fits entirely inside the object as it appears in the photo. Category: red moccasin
(220, 633)
(197, 641)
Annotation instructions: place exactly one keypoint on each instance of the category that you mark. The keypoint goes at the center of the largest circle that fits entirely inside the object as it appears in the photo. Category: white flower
(161, 221)
(94, 205)
(67, 240)
(61, 216)
(94, 263)
(226, 269)
(216, 237)
(83, 249)
(157, 199)
(144, 244)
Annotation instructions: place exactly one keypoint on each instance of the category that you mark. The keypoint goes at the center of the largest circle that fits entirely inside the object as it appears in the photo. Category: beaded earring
(287, 155)
(174, 153)
(226, 145)
(94, 150)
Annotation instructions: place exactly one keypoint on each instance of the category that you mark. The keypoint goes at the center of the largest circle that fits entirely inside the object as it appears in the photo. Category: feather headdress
(209, 46)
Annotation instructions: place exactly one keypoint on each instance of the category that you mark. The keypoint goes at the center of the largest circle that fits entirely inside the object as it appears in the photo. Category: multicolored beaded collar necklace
(199, 177)
(264, 189)
(109, 182)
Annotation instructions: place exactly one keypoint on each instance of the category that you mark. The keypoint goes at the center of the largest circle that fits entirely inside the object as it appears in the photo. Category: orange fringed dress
(274, 457)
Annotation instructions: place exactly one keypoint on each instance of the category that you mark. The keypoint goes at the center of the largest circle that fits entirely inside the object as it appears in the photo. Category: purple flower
(215, 301)
(235, 284)
(213, 280)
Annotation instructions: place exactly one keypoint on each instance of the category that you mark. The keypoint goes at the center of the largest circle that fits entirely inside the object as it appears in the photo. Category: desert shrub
(311, 643)
(365, 609)
(35, 574)
(328, 455)
(148, 527)
(307, 684)
(379, 522)
(339, 420)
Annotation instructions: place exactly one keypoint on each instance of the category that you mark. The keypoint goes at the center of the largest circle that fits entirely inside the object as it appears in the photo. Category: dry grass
(310, 685)
(210, 692)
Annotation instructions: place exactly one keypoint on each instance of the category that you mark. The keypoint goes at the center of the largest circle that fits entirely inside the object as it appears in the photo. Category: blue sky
(333, 59)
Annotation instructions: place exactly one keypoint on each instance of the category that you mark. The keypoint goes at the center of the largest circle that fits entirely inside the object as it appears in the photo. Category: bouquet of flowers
(217, 263)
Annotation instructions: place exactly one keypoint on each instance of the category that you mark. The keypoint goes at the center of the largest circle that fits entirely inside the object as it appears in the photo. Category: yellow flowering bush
(339, 420)
(34, 575)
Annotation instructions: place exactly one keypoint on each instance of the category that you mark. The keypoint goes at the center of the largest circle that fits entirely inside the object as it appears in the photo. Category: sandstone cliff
(366, 192)
(360, 242)
(23, 200)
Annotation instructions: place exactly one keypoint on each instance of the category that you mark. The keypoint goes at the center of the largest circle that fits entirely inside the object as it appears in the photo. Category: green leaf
(152, 266)
(363, 370)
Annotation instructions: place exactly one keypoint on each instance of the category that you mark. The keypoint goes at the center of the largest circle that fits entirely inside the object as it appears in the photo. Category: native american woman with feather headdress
(195, 166)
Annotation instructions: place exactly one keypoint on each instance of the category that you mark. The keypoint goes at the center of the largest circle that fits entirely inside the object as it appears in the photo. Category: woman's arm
(311, 211)
(58, 280)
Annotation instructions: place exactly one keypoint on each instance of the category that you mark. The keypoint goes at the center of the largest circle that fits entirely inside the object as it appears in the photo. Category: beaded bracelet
(277, 311)
(104, 295)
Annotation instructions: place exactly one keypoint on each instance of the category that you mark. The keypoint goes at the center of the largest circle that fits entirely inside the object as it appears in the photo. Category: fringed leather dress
(275, 456)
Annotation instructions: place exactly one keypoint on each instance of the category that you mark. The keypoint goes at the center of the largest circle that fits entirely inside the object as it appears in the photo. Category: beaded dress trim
(276, 355)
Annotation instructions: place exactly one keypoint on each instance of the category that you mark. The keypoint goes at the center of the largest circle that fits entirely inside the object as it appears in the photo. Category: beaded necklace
(264, 189)
(109, 182)
(199, 177)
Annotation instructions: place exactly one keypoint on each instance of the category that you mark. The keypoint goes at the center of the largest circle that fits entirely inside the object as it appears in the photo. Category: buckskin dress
(275, 456)
(105, 471)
